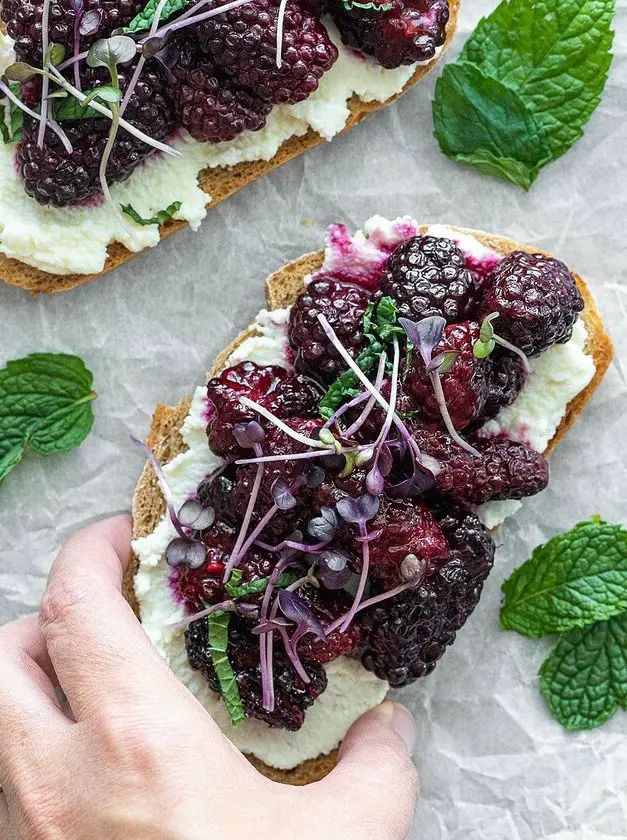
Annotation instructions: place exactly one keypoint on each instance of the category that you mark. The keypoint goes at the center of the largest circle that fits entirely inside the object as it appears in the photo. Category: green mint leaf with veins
(478, 120)
(555, 54)
(349, 5)
(575, 579)
(584, 680)
(236, 589)
(218, 626)
(11, 118)
(70, 108)
(145, 18)
(45, 404)
(160, 218)
(548, 60)
(379, 325)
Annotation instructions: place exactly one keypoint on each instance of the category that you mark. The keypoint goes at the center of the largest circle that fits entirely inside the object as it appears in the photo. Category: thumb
(375, 773)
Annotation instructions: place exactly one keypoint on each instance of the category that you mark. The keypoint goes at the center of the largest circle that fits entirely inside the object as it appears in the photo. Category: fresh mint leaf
(480, 121)
(379, 326)
(145, 18)
(575, 579)
(70, 108)
(554, 53)
(549, 58)
(45, 404)
(584, 680)
(160, 218)
(12, 120)
(236, 589)
(218, 625)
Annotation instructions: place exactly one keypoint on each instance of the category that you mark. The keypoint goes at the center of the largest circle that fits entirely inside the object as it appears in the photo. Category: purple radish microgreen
(109, 53)
(6, 90)
(332, 569)
(324, 527)
(488, 340)
(184, 552)
(45, 82)
(91, 22)
(309, 474)
(248, 435)
(283, 497)
(358, 512)
(196, 517)
(259, 409)
(190, 19)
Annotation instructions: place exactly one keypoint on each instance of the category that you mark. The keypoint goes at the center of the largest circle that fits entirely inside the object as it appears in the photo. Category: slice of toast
(281, 290)
(219, 183)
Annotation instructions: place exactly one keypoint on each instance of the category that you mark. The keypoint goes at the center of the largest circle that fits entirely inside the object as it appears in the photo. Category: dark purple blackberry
(243, 41)
(52, 176)
(427, 276)
(406, 635)
(537, 300)
(343, 306)
(505, 379)
(211, 106)
(292, 696)
(504, 470)
(465, 385)
(216, 491)
(276, 473)
(317, 8)
(410, 31)
(282, 392)
(23, 19)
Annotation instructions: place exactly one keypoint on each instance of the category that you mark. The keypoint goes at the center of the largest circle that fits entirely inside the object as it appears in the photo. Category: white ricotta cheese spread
(557, 376)
(74, 240)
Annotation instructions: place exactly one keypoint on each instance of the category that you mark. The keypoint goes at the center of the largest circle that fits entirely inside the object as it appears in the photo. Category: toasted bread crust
(282, 289)
(219, 183)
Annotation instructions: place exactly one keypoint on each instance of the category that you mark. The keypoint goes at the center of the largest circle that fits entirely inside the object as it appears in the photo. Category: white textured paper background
(493, 764)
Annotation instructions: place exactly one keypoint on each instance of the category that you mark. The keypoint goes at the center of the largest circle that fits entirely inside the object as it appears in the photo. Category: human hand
(138, 757)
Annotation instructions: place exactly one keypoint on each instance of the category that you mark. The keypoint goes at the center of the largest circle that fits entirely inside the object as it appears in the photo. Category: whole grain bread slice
(219, 183)
(281, 290)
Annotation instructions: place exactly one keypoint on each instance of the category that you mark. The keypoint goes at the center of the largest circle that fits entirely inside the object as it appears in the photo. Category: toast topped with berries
(331, 493)
(197, 122)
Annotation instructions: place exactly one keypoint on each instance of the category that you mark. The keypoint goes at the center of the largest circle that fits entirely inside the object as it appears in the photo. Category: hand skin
(138, 757)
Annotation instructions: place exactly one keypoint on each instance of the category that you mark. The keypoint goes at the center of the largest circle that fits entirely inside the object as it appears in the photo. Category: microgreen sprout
(306, 441)
(425, 335)
(142, 59)
(279, 33)
(324, 527)
(488, 340)
(6, 90)
(184, 552)
(358, 512)
(45, 84)
(332, 569)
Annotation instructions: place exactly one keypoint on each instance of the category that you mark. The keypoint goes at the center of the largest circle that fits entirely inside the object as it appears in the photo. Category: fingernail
(401, 722)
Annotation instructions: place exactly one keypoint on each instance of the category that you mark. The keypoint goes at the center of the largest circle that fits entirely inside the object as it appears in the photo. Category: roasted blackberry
(504, 470)
(24, 23)
(201, 587)
(276, 474)
(53, 176)
(506, 377)
(243, 44)
(283, 393)
(407, 527)
(427, 276)
(537, 300)
(410, 31)
(406, 635)
(292, 696)
(465, 385)
(327, 606)
(211, 106)
(343, 306)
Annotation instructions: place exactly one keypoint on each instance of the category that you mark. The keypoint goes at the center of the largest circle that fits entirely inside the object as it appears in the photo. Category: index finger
(98, 648)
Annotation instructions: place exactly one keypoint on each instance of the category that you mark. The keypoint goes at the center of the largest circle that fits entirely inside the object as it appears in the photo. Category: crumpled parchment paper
(493, 764)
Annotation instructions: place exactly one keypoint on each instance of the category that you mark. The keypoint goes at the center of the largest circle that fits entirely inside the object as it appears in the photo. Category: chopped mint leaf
(547, 62)
(349, 5)
(159, 218)
(584, 680)
(575, 579)
(45, 404)
(236, 589)
(71, 109)
(145, 18)
(12, 119)
(380, 324)
(480, 121)
(218, 625)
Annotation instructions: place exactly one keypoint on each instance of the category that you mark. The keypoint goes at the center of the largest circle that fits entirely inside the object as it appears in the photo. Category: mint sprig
(12, 123)
(218, 626)
(525, 84)
(576, 585)
(379, 325)
(159, 218)
(45, 405)
(575, 579)
(584, 680)
(145, 18)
